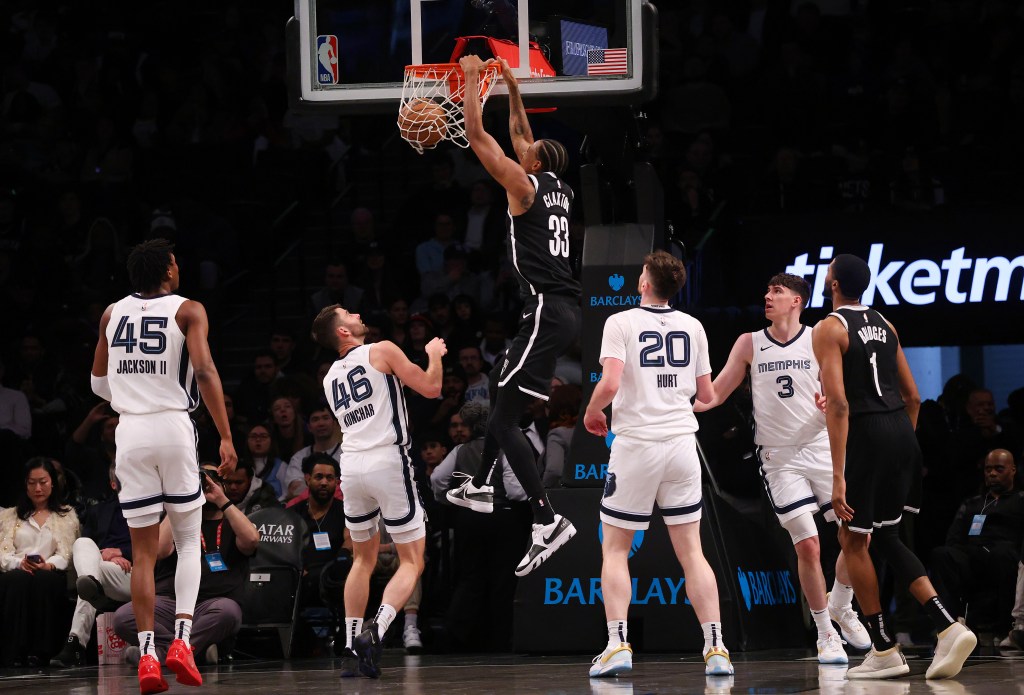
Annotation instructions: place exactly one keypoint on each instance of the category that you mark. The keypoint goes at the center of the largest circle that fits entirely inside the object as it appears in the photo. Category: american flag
(606, 61)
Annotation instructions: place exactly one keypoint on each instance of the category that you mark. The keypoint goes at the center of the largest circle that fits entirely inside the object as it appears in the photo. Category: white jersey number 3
(559, 226)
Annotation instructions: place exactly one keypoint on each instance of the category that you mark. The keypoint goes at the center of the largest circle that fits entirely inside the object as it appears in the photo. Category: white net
(431, 108)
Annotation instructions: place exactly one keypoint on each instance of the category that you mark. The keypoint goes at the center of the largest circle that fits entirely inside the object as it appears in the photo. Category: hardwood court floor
(790, 671)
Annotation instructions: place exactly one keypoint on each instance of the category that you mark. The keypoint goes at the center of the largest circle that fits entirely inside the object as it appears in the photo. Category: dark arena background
(745, 137)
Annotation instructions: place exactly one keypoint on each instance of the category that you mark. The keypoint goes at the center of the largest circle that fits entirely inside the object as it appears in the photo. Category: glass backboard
(351, 54)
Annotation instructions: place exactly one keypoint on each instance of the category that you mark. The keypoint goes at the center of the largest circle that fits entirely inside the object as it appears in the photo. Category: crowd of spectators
(119, 124)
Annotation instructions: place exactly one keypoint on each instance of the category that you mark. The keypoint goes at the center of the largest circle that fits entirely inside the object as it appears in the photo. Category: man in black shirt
(872, 411)
(228, 540)
(984, 542)
(247, 492)
(539, 211)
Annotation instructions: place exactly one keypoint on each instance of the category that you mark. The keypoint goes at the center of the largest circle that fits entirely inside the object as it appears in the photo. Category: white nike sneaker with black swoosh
(545, 541)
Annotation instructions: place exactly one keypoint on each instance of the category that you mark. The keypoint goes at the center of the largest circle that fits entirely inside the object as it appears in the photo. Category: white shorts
(157, 464)
(798, 479)
(642, 473)
(380, 483)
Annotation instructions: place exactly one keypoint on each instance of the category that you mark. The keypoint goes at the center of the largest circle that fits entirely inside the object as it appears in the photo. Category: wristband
(227, 504)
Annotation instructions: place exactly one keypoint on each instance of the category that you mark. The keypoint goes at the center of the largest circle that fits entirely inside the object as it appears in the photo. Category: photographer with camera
(228, 539)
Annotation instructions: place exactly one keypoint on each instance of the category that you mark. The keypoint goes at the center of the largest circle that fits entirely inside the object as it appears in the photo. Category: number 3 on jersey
(361, 389)
(559, 226)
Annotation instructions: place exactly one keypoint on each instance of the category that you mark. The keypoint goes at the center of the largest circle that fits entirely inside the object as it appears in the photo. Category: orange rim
(453, 73)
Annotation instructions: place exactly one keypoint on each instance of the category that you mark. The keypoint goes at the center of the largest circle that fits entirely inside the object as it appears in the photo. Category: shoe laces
(831, 641)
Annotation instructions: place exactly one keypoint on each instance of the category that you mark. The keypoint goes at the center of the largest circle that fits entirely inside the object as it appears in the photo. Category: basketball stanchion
(431, 106)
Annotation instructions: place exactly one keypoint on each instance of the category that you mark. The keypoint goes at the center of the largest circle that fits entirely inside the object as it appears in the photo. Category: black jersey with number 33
(870, 372)
(538, 240)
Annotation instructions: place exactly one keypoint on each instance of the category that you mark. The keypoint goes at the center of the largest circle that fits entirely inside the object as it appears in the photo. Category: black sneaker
(91, 591)
(349, 663)
(546, 540)
(369, 650)
(479, 499)
(72, 655)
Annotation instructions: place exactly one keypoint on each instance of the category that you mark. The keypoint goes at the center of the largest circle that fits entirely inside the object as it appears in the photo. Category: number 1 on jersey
(874, 371)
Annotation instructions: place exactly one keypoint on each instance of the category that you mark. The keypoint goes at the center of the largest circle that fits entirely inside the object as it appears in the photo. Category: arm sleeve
(613, 339)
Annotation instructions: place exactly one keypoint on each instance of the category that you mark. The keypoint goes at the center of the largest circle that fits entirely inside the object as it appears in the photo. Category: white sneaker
(830, 650)
(831, 679)
(853, 631)
(544, 542)
(955, 644)
(887, 664)
(468, 495)
(719, 685)
(412, 640)
(613, 661)
(717, 662)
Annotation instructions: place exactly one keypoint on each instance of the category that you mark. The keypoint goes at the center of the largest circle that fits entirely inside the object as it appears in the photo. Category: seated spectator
(454, 278)
(433, 450)
(287, 428)
(217, 616)
(477, 384)
(563, 410)
(495, 341)
(980, 435)
(35, 547)
(246, 491)
(103, 563)
(253, 395)
(89, 451)
(15, 415)
(467, 324)
(420, 332)
(326, 439)
(336, 290)
(983, 545)
(282, 347)
(458, 431)
(398, 316)
(266, 464)
(430, 253)
(328, 548)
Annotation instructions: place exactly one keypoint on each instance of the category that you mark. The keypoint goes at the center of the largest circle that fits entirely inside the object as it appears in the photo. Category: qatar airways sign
(956, 279)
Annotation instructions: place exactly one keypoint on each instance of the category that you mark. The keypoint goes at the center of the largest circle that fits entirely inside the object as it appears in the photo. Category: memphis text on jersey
(141, 367)
(782, 365)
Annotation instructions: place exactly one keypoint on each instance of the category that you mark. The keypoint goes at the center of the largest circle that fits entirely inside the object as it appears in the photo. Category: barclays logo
(773, 588)
(616, 281)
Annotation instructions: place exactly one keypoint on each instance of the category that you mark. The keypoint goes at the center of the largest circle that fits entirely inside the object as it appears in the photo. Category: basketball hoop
(431, 108)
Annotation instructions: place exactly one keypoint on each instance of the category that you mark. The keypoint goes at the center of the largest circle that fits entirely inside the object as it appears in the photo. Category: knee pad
(410, 535)
(144, 520)
(361, 535)
(801, 527)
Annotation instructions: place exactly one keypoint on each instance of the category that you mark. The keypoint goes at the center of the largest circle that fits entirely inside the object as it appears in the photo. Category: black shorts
(547, 327)
(883, 470)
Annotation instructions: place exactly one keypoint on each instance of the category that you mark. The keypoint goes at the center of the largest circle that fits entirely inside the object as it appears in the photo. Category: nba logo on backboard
(327, 59)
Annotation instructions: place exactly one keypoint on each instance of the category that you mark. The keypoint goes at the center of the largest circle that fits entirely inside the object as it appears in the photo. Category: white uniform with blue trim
(153, 389)
(653, 457)
(789, 430)
(376, 469)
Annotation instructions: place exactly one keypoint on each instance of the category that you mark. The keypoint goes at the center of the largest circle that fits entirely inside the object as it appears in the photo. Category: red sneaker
(151, 680)
(181, 661)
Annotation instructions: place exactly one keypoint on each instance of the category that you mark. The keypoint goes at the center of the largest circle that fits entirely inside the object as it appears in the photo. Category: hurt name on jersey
(359, 414)
(869, 333)
(668, 381)
(782, 365)
(556, 199)
(141, 367)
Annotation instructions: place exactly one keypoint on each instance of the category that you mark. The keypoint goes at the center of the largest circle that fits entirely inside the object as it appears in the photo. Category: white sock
(617, 633)
(842, 595)
(822, 622)
(147, 643)
(712, 636)
(385, 614)
(353, 626)
(182, 629)
(410, 619)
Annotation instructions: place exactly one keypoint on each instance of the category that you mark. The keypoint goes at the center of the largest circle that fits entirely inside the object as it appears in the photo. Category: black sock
(938, 614)
(876, 628)
(542, 513)
(487, 459)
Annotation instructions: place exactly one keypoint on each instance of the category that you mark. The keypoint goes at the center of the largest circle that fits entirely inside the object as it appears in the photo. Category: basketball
(423, 122)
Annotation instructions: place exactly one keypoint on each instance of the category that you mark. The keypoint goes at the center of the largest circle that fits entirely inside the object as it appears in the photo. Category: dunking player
(364, 389)
(539, 209)
(871, 416)
(792, 447)
(151, 355)
(654, 360)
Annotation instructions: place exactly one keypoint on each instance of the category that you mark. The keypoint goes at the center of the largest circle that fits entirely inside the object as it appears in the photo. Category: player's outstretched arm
(504, 170)
(731, 376)
(388, 358)
(518, 123)
(827, 342)
(611, 375)
(197, 330)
